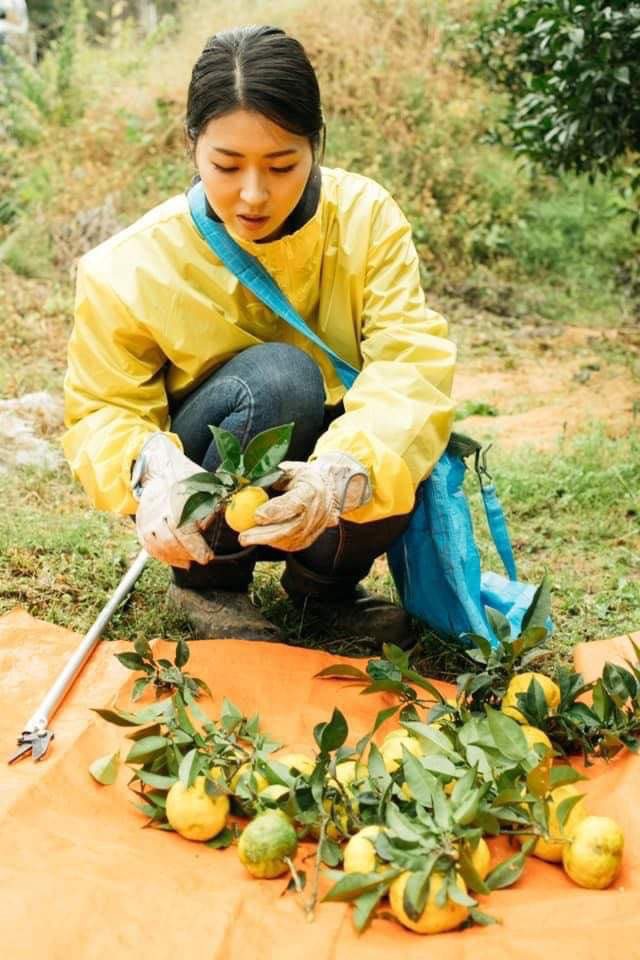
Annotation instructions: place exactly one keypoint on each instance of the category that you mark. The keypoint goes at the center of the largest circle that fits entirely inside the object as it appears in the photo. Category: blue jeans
(262, 387)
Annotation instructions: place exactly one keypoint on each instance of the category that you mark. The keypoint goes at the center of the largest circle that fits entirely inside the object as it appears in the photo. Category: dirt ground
(553, 387)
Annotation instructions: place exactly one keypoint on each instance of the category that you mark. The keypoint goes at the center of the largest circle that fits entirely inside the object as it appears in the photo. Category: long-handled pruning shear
(36, 735)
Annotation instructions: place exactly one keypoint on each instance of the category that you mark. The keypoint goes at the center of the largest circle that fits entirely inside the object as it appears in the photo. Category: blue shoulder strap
(256, 278)
(253, 275)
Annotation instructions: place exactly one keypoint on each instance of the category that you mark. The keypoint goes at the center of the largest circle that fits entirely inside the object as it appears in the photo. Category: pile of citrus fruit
(408, 817)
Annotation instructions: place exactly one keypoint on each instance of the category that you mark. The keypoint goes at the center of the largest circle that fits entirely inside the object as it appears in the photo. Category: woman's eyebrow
(276, 153)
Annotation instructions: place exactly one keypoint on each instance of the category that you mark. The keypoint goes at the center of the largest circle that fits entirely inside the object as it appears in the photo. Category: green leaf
(155, 779)
(507, 735)
(146, 749)
(431, 733)
(402, 826)
(619, 683)
(189, 767)
(229, 449)
(463, 786)
(222, 840)
(465, 813)
(377, 770)
(132, 661)
(230, 715)
(441, 765)
(456, 895)
(352, 885)
(266, 450)
(182, 653)
(421, 783)
(268, 479)
(416, 891)
(151, 731)
(559, 776)
(441, 809)
(124, 718)
(182, 715)
(506, 873)
(329, 736)
(139, 687)
(365, 905)
(340, 670)
(104, 770)
(483, 919)
(500, 626)
(198, 506)
(330, 853)
(470, 875)
(540, 607)
(143, 647)
(565, 807)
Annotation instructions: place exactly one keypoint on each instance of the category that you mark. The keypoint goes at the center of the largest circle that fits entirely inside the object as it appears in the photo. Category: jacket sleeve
(398, 413)
(114, 393)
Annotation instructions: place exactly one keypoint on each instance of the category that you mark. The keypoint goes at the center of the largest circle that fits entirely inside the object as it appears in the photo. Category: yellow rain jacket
(156, 313)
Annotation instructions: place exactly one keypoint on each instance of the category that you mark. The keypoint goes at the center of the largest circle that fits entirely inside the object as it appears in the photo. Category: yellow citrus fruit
(433, 919)
(265, 842)
(346, 772)
(593, 855)
(360, 852)
(243, 773)
(195, 814)
(520, 684)
(538, 778)
(481, 858)
(298, 761)
(240, 512)
(551, 847)
(392, 751)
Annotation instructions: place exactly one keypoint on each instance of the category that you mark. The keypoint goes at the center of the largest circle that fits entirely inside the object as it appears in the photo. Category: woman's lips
(252, 223)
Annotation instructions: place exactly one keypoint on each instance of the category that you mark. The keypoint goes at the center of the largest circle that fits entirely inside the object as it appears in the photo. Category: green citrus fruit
(265, 842)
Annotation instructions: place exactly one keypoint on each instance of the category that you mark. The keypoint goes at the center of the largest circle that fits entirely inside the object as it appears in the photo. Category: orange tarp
(81, 880)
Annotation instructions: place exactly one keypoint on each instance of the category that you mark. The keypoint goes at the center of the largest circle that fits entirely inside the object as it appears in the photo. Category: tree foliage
(572, 73)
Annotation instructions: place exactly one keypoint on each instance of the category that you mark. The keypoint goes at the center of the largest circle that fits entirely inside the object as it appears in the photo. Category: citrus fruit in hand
(240, 512)
(433, 919)
(552, 846)
(520, 684)
(593, 855)
(265, 842)
(538, 778)
(360, 852)
(194, 813)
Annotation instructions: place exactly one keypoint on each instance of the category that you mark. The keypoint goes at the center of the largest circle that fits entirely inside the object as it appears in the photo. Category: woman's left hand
(317, 495)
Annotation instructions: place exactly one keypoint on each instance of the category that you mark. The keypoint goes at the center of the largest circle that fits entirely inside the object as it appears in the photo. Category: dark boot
(348, 608)
(220, 614)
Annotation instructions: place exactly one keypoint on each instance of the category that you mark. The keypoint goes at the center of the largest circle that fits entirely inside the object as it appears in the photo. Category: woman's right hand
(157, 478)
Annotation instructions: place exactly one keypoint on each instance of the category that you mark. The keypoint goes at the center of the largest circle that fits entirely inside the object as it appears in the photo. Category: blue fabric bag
(435, 564)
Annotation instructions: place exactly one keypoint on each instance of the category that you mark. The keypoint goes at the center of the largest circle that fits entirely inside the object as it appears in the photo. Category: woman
(167, 341)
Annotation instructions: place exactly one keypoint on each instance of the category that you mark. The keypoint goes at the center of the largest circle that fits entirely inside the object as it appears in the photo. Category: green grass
(574, 514)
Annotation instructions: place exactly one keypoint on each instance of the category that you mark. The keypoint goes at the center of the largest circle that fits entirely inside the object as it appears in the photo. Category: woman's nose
(253, 190)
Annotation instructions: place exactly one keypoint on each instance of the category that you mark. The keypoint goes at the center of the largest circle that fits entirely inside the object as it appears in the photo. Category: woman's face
(253, 172)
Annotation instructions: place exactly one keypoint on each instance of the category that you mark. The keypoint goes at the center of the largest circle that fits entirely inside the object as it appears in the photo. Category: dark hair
(257, 68)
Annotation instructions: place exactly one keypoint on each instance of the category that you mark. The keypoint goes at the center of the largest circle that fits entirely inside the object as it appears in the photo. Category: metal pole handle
(40, 719)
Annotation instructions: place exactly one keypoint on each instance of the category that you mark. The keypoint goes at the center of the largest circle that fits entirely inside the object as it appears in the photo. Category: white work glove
(317, 495)
(157, 483)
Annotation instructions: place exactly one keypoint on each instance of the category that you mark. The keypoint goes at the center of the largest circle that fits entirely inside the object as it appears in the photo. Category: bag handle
(256, 278)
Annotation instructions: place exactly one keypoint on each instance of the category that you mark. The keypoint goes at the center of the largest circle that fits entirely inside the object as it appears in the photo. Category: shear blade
(34, 743)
